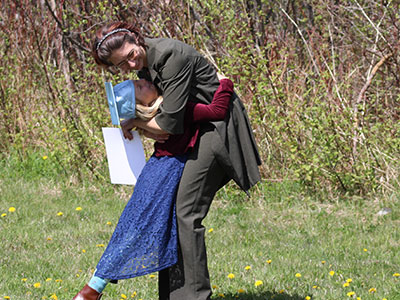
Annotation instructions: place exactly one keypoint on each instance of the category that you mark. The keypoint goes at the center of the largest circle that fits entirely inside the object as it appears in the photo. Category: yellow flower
(48, 279)
(332, 273)
(60, 214)
(384, 299)
(372, 290)
(349, 280)
(298, 275)
(58, 280)
(3, 215)
(221, 295)
(78, 208)
(314, 286)
(258, 283)
(11, 209)
(54, 296)
(49, 238)
(214, 287)
(45, 157)
(211, 230)
(152, 276)
(323, 262)
(133, 295)
(240, 291)
(108, 223)
(24, 279)
(346, 284)
(36, 285)
(269, 261)
(281, 291)
(231, 276)
(123, 296)
(83, 251)
(358, 298)
(351, 294)
(100, 245)
(247, 267)
(365, 250)
(308, 298)
(7, 297)
(396, 274)
(64, 129)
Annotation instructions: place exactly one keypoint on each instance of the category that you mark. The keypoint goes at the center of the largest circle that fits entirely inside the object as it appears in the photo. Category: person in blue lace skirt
(145, 238)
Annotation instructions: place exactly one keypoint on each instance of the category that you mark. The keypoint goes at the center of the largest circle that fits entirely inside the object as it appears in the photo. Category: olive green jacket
(181, 73)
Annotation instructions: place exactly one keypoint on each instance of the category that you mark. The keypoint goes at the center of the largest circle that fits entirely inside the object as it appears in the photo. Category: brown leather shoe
(87, 293)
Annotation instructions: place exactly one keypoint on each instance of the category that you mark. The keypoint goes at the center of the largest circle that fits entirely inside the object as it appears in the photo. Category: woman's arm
(216, 110)
(151, 127)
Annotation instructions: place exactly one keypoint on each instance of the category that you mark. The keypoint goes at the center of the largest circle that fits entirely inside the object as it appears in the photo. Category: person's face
(145, 92)
(129, 57)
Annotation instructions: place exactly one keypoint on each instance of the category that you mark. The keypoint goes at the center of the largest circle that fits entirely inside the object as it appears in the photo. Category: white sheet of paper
(125, 157)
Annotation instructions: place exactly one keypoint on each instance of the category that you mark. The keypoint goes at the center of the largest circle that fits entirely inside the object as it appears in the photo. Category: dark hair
(102, 54)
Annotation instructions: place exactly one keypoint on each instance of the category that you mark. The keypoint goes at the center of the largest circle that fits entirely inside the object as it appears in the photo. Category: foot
(87, 293)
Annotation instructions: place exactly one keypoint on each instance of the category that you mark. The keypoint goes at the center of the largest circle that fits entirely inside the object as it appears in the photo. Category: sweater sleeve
(216, 110)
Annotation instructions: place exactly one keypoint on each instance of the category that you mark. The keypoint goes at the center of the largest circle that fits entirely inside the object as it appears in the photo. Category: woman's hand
(127, 126)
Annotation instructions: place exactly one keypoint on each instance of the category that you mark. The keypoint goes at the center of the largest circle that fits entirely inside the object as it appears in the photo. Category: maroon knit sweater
(195, 114)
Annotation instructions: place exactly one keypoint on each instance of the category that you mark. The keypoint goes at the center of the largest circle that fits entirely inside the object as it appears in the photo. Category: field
(279, 244)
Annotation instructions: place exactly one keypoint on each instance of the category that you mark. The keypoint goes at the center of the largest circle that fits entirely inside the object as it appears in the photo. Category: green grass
(271, 237)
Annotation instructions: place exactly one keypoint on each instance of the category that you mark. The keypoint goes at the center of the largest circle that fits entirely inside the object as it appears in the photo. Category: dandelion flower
(64, 129)
(298, 275)
(49, 238)
(24, 279)
(78, 208)
(36, 285)
(221, 295)
(123, 296)
(100, 245)
(214, 287)
(314, 286)
(11, 209)
(365, 250)
(60, 213)
(358, 298)
(240, 291)
(45, 157)
(231, 276)
(48, 279)
(152, 276)
(7, 297)
(54, 296)
(396, 275)
(258, 283)
(372, 290)
(349, 280)
(247, 267)
(211, 230)
(269, 261)
(351, 294)
(308, 298)
(133, 294)
(332, 273)
(3, 215)
(109, 223)
(58, 280)
(346, 284)
(323, 262)
(281, 291)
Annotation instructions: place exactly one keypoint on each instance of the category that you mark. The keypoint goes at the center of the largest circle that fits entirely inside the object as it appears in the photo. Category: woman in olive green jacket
(225, 150)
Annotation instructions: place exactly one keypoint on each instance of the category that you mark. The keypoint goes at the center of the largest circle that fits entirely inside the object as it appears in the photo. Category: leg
(201, 179)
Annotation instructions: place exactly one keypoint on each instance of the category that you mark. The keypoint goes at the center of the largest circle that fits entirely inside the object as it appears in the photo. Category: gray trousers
(202, 177)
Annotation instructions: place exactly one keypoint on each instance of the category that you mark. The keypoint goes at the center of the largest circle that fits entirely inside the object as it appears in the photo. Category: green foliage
(300, 69)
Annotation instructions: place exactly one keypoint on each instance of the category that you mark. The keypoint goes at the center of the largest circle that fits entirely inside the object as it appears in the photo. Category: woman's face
(145, 92)
(129, 57)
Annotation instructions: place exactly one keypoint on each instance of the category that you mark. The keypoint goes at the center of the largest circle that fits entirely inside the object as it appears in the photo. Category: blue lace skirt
(145, 238)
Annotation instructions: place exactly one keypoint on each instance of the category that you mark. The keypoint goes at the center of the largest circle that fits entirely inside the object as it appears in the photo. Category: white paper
(125, 157)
